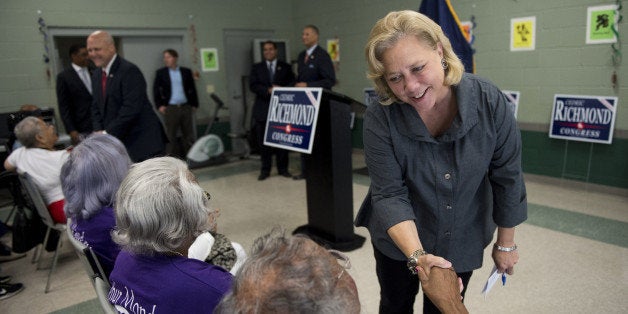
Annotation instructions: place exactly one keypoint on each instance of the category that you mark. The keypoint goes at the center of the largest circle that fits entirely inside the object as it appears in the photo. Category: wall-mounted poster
(333, 48)
(513, 100)
(209, 59)
(583, 118)
(600, 22)
(523, 33)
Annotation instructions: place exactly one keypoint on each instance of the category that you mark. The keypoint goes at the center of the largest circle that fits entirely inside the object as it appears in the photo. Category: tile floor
(573, 248)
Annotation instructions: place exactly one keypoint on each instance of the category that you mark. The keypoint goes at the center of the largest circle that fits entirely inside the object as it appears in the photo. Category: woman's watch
(413, 260)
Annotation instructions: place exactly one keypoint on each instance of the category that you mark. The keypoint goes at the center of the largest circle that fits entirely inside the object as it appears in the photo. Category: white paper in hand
(494, 277)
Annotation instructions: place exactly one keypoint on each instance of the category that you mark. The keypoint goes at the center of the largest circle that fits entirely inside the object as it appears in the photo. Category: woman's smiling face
(414, 73)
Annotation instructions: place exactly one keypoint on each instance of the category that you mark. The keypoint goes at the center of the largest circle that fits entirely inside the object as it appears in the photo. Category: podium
(329, 183)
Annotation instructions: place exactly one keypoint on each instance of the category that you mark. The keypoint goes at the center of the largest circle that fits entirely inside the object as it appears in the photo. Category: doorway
(143, 47)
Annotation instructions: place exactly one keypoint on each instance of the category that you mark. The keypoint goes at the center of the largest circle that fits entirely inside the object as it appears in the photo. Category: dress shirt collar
(77, 68)
(310, 50)
(466, 95)
(108, 67)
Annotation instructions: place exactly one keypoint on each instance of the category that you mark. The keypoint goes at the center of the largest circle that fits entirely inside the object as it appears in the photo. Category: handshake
(443, 287)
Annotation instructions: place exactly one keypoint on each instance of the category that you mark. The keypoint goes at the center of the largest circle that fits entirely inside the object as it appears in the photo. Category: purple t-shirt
(166, 284)
(95, 232)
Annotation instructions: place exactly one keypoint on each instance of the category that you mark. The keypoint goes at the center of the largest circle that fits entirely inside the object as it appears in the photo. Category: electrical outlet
(210, 89)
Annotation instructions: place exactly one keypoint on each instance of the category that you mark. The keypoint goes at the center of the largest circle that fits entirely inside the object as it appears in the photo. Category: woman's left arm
(505, 252)
(509, 193)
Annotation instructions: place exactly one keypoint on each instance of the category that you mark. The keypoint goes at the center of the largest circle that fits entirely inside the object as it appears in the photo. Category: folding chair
(38, 202)
(102, 290)
(94, 270)
(89, 258)
(9, 180)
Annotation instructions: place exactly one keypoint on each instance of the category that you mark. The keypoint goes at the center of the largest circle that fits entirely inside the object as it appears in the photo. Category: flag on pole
(441, 12)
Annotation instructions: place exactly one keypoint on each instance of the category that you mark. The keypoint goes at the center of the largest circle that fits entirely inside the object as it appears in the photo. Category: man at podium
(314, 69)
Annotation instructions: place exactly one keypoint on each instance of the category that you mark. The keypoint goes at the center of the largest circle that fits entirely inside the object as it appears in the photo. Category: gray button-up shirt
(456, 187)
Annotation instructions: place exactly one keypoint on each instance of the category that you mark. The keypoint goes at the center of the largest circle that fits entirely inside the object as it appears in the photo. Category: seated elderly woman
(160, 210)
(89, 180)
(41, 161)
(292, 274)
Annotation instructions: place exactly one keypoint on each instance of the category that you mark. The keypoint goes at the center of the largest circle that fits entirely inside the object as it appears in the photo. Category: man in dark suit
(74, 95)
(264, 76)
(315, 69)
(175, 97)
(121, 106)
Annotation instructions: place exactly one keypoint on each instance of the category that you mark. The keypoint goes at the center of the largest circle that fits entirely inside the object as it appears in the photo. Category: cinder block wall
(561, 63)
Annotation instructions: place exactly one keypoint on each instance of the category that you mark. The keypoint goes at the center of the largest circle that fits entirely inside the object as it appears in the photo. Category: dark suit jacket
(74, 102)
(125, 112)
(318, 71)
(162, 90)
(259, 83)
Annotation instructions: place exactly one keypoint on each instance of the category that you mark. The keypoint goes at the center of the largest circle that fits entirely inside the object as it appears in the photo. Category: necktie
(103, 83)
(307, 57)
(271, 73)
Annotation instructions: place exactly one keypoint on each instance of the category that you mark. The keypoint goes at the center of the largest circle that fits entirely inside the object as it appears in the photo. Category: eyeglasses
(343, 260)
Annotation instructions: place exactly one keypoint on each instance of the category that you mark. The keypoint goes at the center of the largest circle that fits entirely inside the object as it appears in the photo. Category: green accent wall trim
(605, 164)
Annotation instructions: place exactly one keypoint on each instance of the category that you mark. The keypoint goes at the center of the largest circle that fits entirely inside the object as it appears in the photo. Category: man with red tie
(314, 69)
(121, 106)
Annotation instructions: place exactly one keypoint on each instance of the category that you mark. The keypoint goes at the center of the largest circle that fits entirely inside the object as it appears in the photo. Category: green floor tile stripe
(225, 170)
(89, 306)
(578, 224)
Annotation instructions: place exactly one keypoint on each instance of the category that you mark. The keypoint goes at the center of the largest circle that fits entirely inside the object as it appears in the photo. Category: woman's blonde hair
(399, 24)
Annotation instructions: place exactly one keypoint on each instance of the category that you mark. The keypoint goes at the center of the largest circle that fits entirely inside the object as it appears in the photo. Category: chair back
(102, 290)
(89, 259)
(38, 201)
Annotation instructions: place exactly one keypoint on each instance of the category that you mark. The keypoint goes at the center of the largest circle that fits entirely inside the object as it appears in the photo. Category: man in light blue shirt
(176, 98)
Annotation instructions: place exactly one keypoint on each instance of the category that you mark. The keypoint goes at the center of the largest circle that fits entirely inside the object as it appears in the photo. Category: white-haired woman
(160, 210)
(42, 162)
(90, 179)
(444, 156)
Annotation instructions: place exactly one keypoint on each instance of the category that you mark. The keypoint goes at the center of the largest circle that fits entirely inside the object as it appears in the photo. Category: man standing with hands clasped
(315, 69)
(74, 95)
(176, 98)
(121, 106)
(264, 76)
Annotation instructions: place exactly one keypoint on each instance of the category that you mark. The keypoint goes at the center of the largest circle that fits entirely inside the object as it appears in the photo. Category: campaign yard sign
(370, 96)
(583, 118)
(513, 100)
(292, 116)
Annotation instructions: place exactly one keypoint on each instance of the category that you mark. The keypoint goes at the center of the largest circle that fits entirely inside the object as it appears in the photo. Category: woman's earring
(444, 63)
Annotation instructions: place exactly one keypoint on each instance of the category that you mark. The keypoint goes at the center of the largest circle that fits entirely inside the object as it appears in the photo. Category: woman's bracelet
(505, 249)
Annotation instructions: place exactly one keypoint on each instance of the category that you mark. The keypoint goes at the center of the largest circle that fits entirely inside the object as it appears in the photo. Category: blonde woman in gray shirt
(444, 156)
